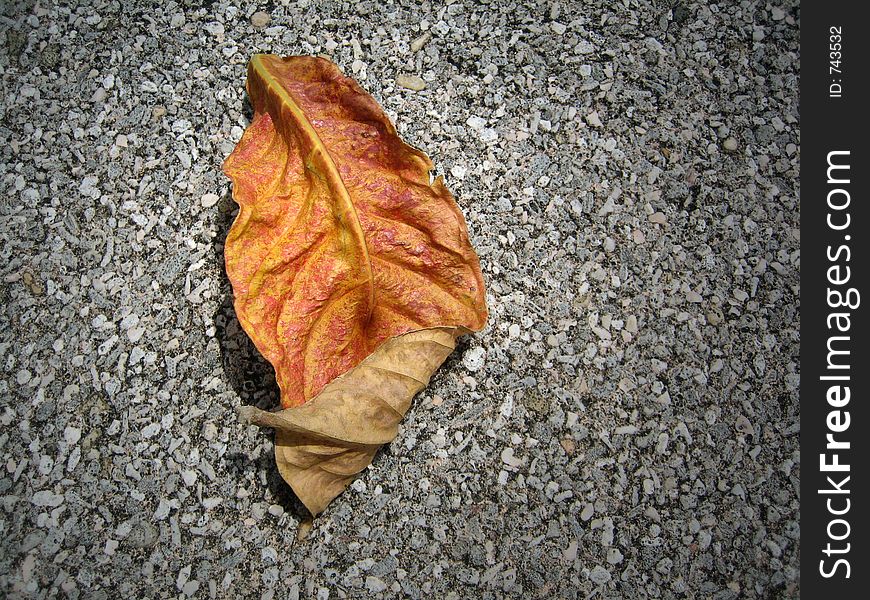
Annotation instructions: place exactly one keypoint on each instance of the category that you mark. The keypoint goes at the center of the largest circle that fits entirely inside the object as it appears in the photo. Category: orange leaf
(341, 242)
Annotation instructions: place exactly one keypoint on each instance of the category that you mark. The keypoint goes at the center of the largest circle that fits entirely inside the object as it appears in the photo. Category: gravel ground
(625, 427)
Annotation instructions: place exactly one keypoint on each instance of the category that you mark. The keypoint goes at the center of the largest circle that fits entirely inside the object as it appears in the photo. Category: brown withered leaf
(341, 242)
(321, 445)
(352, 272)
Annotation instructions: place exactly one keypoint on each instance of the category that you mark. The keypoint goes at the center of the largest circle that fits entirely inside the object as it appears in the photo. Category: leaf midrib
(332, 175)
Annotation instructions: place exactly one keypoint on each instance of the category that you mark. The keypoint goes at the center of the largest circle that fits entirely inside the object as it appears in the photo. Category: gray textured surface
(625, 427)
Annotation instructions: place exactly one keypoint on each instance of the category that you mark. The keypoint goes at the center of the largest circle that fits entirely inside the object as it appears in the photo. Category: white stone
(163, 509)
(476, 123)
(375, 585)
(72, 435)
(593, 119)
(150, 430)
(47, 498)
(209, 200)
(474, 358)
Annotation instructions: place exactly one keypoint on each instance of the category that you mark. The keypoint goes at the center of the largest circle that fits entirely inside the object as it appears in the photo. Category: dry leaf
(352, 273)
(321, 445)
(341, 243)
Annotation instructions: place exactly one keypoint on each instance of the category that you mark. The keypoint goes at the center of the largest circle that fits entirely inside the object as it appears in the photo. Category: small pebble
(260, 19)
(594, 120)
(658, 218)
(476, 123)
(209, 200)
(375, 585)
(599, 575)
(410, 82)
(420, 42)
(474, 358)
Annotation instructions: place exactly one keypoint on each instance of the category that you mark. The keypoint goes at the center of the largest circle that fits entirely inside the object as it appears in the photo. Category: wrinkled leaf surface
(321, 445)
(341, 242)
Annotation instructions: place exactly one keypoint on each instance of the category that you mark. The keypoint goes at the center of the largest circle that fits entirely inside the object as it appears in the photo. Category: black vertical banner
(835, 372)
